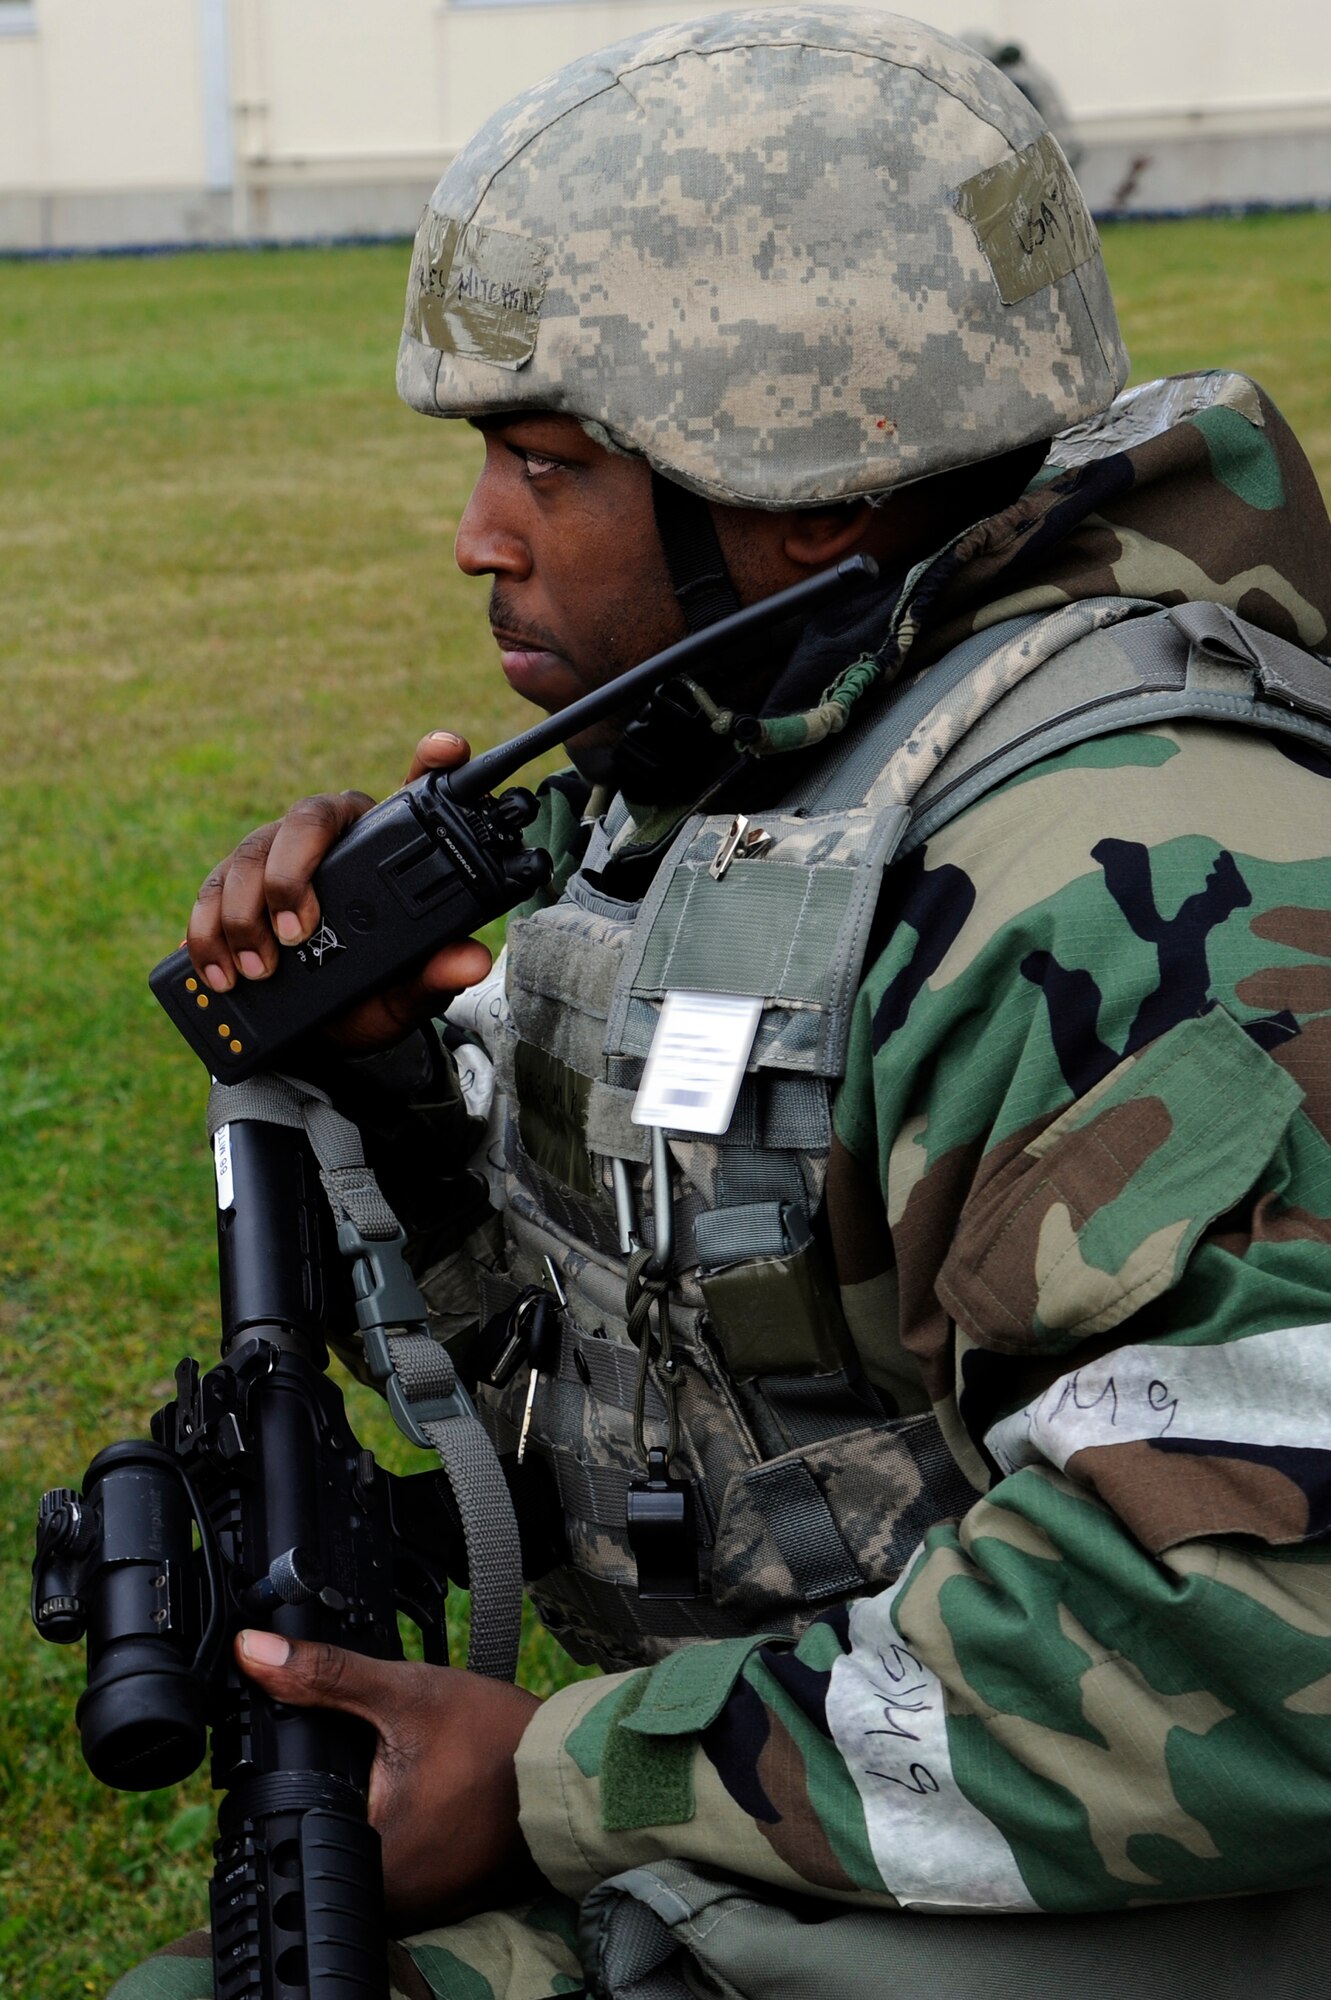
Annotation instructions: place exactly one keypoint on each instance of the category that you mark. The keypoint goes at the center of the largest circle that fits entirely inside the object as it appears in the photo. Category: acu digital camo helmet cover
(790, 255)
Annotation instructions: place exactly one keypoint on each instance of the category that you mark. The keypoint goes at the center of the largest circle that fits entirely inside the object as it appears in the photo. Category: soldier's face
(581, 591)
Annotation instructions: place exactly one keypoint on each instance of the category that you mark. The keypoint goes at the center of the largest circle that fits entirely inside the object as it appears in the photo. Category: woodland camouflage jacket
(1081, 1205)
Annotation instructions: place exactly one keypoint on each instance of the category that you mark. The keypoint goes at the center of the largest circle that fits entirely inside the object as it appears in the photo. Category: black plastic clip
(387, 1296)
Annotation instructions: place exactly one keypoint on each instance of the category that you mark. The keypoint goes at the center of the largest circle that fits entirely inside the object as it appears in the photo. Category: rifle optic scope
(117, 1562)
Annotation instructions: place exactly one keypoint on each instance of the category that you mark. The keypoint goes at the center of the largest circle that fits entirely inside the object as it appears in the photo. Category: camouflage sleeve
(1091, 1082)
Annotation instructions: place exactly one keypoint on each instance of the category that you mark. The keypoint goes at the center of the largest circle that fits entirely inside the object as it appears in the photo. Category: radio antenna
(472, 781)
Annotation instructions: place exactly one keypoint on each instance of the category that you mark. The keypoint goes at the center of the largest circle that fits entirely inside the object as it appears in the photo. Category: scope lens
(143, 1729)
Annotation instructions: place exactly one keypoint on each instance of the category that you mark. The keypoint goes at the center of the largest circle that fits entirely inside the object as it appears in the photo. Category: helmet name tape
(1030, 219)
(476, 291)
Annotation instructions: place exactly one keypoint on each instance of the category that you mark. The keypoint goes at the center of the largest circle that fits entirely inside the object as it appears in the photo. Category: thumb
(313, 1674)
(441, 750)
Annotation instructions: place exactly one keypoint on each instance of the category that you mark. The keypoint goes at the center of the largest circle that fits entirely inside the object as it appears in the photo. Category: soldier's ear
(816, 536)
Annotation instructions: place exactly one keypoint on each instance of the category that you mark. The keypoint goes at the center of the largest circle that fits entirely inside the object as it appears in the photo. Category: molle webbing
(801, 1524)
(598, 1619)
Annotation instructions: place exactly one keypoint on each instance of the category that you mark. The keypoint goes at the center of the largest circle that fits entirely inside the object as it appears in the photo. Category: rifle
(297, 1527)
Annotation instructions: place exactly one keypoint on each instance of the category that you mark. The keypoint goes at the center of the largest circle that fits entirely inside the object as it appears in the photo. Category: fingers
(209, 946)
(386, 1017)
(261, 895)
(299, 845)
(441, 750)
(262, 892)
(313, 1674)
(457, 966)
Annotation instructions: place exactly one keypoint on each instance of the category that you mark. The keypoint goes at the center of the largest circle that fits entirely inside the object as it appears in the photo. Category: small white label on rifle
(696, 1062)
(226, 1186)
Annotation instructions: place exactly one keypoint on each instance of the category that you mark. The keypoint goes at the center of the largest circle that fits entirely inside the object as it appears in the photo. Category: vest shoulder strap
(1185, 662)
(849, 770)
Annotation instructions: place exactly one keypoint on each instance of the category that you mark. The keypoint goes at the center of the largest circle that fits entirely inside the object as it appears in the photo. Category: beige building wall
(181, 120)
(86, 90)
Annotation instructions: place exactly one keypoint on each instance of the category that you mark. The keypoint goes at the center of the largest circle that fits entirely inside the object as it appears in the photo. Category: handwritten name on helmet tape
(476, 291)
(1030, 220)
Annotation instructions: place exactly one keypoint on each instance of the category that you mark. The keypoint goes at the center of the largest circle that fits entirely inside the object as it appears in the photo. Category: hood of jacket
(1189, 489)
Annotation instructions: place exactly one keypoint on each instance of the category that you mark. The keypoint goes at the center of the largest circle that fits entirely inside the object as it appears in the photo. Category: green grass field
(226, 557)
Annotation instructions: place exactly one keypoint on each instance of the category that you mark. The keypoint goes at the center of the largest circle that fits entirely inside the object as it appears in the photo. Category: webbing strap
(1285, 671)
(278, 1100)
(747, 1177)
(801, 1524)
(268, 1100)
(812, 1410)
(698, 574)
(749, 1229)
(415, 1372)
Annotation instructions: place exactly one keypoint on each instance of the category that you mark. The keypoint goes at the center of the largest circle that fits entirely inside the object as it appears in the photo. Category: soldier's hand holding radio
(259, 900)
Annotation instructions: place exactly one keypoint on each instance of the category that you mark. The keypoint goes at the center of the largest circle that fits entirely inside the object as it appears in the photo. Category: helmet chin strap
(698, 573)
(669, 742)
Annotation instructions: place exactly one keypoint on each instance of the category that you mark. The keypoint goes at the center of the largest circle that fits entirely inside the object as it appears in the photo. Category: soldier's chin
(593, 756)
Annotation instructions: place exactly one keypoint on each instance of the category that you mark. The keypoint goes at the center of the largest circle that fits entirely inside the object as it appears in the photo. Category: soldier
(983, 1343)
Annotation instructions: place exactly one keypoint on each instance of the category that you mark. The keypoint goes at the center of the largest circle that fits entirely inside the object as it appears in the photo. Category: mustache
(504, 618)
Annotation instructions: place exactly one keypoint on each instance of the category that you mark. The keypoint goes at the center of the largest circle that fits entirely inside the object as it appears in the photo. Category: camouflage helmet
(790, 255)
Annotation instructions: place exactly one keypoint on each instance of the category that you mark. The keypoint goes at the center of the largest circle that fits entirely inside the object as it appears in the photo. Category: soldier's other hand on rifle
(443, 1791)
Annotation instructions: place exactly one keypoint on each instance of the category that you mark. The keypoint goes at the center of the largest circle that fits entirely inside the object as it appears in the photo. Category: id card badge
(696, 1062)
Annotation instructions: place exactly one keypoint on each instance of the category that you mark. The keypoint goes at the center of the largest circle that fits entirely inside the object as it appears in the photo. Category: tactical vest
(803, 1487)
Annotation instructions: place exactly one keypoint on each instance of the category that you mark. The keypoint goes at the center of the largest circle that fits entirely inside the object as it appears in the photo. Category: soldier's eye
(535, 463)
